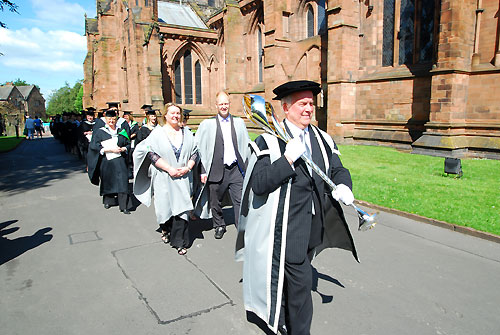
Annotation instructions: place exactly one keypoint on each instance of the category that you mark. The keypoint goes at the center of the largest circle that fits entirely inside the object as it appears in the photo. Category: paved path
(68, 266)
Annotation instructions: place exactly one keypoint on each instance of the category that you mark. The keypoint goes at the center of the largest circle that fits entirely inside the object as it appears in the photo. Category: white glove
(294, 149)
(344, 194)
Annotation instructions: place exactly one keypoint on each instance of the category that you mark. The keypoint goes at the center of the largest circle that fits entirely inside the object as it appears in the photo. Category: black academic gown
(83, 142)
(110, 175)
(142, 134)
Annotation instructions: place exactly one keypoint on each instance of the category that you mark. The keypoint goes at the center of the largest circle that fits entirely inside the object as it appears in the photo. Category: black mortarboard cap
(110, 113)
(89, 112)
(127, 112)
(296, 86)
(146, 107)
(90, 109)
(186, 111)
(150, 111)
(112, 104)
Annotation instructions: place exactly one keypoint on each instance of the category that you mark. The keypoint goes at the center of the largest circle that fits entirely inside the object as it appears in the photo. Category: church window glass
(310, 22)
(415, 24)
(178, 82)
(197, 76)
(188, 78)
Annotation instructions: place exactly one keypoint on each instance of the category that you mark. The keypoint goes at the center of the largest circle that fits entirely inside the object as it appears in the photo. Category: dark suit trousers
(232, 180)
(120, 199)
(298, 306)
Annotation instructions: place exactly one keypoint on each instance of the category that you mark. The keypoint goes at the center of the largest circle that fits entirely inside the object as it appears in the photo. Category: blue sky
(45, 43)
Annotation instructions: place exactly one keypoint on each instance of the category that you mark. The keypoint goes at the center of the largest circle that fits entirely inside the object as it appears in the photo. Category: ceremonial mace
(262, 114)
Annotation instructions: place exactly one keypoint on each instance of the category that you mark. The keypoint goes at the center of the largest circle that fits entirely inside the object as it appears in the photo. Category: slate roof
(5, 91)
(25, 90)
(180, 15)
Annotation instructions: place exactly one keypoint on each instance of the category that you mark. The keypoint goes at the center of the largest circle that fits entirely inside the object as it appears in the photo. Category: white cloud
(41, 51)
(59, 13)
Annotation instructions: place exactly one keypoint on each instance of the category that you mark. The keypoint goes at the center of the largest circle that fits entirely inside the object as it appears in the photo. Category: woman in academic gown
(107, 160)
(148, 127)
(162, 167)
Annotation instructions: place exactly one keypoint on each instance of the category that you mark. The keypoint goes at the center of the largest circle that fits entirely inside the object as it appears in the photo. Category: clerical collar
(221, 119)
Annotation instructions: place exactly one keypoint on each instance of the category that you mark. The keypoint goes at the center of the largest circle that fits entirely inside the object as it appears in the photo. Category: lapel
(241, 164)
(317, 157)
(219, 142)
(299, 163)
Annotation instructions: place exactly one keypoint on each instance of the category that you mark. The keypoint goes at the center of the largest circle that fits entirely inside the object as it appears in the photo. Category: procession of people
(285, 213)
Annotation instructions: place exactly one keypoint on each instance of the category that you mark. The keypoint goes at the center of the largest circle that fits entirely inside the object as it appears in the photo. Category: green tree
(11, 6)
(79, 99)
(63, 100)
(19, 82)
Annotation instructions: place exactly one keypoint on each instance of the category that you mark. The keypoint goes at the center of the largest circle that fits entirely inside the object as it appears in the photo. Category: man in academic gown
(107, 163)
(287, 207)
(222, 142)
(134, 129)
(85, 133)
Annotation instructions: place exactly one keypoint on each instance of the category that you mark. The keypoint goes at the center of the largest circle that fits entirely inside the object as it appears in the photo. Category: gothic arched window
(188, 78)
(310, 22)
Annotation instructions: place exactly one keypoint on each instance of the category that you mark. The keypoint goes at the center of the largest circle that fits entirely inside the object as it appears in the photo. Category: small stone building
(422, 75)
(33, 101)
(12, 110)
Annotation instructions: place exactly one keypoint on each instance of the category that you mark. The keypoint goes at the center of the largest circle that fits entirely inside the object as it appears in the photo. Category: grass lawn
(417, 184)
(9, 142)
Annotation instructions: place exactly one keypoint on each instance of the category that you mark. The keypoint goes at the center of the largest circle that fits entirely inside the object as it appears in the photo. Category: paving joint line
(151, 309)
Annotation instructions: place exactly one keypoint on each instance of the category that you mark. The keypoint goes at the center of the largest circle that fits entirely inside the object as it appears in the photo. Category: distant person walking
(38, 127)
(30, 127)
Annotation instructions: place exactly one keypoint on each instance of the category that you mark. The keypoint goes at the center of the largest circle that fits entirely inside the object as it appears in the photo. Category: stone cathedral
(420, 75)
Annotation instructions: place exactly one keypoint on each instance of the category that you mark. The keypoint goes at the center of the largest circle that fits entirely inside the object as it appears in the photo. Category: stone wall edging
(461, 229)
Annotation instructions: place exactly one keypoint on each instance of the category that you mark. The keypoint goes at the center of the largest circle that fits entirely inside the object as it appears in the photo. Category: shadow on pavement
(34, 164)
(253, 318)
(198, 226)
(325, 299)
(10, 249)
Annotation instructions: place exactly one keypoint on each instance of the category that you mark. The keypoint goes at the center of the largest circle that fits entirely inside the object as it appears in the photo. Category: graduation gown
(83, 142)
(172, 196)
(262, 241)
(110, 174)
(205, 141)
(143, 133)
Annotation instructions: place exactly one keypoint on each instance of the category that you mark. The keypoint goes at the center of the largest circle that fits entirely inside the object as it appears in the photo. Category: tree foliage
(79, 99)
(66, 99)
(11, 6)
(19, 82)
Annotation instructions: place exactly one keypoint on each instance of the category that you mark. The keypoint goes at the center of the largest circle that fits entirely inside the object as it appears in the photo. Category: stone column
(447, 122)
(234, 53)
(342, 68)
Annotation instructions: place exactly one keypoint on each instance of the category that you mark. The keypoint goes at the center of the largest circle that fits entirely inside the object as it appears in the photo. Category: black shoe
(219, 232)
(125, 211)
(282, 330)
(106, 206)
